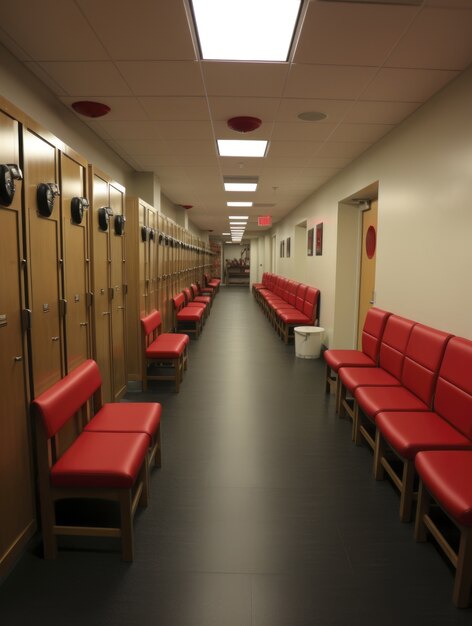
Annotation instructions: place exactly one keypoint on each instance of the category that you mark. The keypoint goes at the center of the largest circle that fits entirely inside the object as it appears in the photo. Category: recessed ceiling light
(242, 147)
(240, 183)
(238, 223)
(312, 116)
(245, 30)
(226, 234)
(239, 204)
(238, 217)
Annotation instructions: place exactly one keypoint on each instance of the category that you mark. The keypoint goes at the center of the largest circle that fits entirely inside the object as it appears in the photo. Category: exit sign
(264, 220)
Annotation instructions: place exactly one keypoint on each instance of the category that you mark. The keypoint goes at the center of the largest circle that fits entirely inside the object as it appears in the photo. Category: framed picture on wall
(288, 247)
(309, 242)
(282, 248)
(319, 239)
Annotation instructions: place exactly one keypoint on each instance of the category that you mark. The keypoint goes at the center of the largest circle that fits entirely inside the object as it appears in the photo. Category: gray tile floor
(263, 514)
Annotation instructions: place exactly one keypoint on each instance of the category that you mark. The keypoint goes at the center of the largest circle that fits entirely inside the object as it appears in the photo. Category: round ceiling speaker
(91, 109)
(244, 124)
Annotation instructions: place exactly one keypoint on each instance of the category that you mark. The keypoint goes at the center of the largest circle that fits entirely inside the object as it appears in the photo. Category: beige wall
(424, 255)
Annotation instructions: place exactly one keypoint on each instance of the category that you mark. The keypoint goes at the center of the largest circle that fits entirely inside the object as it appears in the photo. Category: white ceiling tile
(162, 78)
(156, 30)
(225, 108)
(293, 148)
(360, 132)
(437, 39)
(301, 131)
(334, 109)
(155, 162)
(52, 30)
(92, 78)
(407, 85)
(144, 147)
(450, 4)
(193, 148)
(199, 160)
(46, 79)
(343, 149)
(380, 112)
(341, 34)
(327, 81)
(138, 129)
(195, 130)
(244, 79)
(179, 108)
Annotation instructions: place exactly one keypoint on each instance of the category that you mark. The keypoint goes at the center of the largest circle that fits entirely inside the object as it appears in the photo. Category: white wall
(424, 254)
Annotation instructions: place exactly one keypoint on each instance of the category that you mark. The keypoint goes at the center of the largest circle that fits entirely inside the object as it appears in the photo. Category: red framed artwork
(319, 239)
(309, 242)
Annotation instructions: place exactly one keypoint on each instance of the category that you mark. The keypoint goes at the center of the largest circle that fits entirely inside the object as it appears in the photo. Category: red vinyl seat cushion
(190, 314)
(168, 346)
(101, 460)
(127, 417)
(409, 432)
(294, 317)
(446, 474)
(373, 400)
(347, 358)
(354, 377)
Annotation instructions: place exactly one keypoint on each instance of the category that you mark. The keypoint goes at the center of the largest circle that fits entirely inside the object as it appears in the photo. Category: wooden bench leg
(463, 579)
(47, 522)
(406, 498)
(328, 378)
(424, 503)
(157, 457)
(379, 452)
(126, 517)
(177, 373)
(356, 425)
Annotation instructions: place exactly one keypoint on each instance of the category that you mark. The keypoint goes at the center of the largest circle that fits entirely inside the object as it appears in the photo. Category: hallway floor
(263, 514)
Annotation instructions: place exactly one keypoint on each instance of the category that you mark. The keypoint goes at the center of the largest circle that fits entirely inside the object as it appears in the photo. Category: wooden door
(368, 259)
(100, 284)
(17, 513)
(118, 295)
(75, 242)
(44, 264)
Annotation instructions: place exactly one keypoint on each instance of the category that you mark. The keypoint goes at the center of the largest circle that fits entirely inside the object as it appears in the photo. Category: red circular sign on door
(370, 242)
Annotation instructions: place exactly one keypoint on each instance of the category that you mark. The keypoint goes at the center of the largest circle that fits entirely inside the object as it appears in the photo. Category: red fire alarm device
(264, 220)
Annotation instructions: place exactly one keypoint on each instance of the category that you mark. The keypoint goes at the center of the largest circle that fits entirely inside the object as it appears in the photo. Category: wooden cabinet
(141, 267)
(17, 511)
(108, 283)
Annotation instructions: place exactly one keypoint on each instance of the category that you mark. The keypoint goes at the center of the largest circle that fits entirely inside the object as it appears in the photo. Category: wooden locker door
(160, 268)
(100, 286)
(152, 276)
(143, 255)
(44, 261)
(118, 302)
(17, 511)
(75, 241)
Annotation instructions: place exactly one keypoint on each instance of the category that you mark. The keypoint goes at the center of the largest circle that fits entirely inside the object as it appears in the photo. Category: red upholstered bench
(446, 477)
(306, 315)
(372, 332)
(423, 357)
(449, 427)
(206, 291)
(190, 302)
(163, 349)
(108, 460)
(199, 297)
(188, 319)
(391, 356)
(212, 282)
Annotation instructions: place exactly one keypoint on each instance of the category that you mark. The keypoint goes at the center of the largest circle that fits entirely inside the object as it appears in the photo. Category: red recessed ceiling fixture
(187, 206)
(90, 109)
(244, 123)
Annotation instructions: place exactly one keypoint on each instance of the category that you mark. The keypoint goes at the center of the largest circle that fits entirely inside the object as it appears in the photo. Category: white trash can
(308, 341)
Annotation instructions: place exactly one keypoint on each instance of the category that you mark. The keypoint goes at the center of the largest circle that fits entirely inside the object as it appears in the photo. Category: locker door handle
(83, 324)
(106, 313)
(55, 338)
(18, 358)
(121, 308)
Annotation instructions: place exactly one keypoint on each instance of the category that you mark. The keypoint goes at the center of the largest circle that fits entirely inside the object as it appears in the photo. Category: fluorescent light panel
(238, 217)
(238, 223)
(243, 203)
(242, 147)
(245, 30)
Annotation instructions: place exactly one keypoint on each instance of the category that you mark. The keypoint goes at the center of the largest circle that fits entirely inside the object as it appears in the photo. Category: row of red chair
(287, 303)
(409, 393)
(109, 459)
